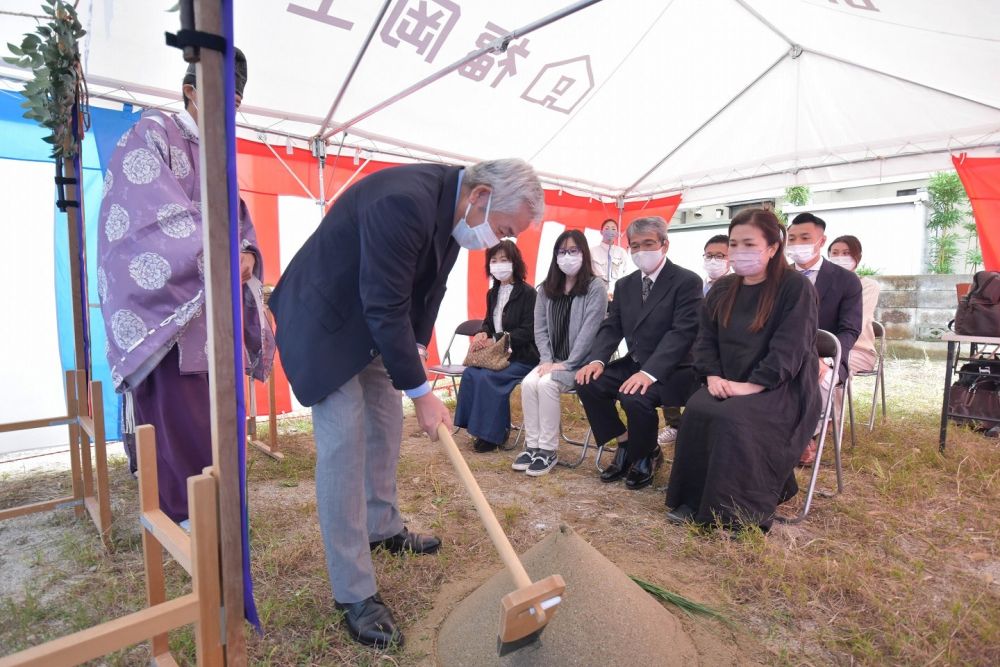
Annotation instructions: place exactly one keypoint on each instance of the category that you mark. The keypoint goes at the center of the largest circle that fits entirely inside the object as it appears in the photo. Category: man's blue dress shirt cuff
(417, 392)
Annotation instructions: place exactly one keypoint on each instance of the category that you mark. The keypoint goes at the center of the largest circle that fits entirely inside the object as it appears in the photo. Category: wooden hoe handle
(499, 538)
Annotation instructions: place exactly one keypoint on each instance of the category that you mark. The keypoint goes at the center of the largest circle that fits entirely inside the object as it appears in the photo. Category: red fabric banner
(981, 178)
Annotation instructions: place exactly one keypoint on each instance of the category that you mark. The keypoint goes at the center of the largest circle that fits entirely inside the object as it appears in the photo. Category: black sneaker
(523, 460)
(543, 462)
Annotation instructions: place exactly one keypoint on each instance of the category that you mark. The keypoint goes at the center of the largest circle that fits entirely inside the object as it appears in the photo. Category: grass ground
(902, 569)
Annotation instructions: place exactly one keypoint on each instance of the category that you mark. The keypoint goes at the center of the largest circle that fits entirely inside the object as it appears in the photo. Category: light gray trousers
(358, 429)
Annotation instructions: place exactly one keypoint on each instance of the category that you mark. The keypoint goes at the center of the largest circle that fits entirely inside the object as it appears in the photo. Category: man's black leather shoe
(371, 623)
(642, 471)
(408, 542)
(618, 467)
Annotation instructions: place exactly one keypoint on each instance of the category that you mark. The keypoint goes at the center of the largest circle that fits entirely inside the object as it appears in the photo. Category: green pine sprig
(689, 607)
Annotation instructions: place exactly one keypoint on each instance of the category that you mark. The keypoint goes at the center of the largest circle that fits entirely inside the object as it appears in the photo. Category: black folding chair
(448, 369)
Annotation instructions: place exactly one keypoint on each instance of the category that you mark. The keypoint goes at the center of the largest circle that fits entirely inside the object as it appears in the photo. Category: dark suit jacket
(659, 332)
(518, 320)
(840, 308)
(369, 281)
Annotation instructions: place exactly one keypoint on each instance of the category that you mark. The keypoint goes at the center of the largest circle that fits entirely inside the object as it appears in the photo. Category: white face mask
(748, 262)
(479, 237)
(716, 268)
(502, 270)
(845, 261)
(647, 260)
(802, 253)
(570, 264)
(609, 235)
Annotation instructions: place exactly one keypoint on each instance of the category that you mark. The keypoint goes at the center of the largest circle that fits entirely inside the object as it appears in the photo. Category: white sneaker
(667, 435)
(523, 460)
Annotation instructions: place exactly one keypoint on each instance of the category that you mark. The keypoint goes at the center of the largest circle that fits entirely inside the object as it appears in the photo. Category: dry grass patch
(903, 568)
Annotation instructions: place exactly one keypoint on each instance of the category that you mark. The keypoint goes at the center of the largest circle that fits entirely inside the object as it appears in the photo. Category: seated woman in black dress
(743, 433)
(484, 396)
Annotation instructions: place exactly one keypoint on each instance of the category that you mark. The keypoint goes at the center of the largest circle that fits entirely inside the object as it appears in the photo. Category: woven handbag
(494, 357)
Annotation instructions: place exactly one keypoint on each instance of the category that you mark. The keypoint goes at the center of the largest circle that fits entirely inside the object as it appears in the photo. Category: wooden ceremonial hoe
(525, 611)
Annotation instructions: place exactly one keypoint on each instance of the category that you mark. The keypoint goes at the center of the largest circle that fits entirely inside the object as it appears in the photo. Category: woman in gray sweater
(569, 308)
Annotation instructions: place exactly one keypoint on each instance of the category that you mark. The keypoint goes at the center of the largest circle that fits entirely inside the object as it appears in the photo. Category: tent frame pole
(496, 46)
(874, 158)
(354, 68)
(707, 122)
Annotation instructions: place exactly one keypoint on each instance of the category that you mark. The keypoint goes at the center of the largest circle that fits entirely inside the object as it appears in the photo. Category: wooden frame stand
(271, 447)
(85, 419)
(197, 553)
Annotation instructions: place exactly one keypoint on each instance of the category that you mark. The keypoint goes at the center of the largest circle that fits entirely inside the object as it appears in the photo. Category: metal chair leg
(827, 416)
(850, 407)
(881, 376)
(874, 405)
(600, 452)
(583, 445)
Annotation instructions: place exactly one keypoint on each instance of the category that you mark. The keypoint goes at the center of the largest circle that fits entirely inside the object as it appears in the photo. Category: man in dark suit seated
(355, 310)
(655, 310)
(839, 290)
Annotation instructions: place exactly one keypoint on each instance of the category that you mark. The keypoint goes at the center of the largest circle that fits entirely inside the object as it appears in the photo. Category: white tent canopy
(705, 97)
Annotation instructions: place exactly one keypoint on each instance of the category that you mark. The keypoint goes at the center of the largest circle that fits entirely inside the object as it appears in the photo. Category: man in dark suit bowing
(839, 290)
(655, 309)
(355, 310)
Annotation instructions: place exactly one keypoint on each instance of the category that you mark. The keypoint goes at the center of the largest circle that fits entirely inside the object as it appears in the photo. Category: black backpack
(978, 311)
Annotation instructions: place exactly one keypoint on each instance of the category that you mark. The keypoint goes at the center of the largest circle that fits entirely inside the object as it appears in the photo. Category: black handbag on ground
(974, 399)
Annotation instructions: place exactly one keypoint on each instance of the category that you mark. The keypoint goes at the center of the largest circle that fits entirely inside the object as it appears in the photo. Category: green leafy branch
(52, 53)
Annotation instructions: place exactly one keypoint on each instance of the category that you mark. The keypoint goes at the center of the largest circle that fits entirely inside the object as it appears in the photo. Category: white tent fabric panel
(894, 246)
(706, 97)
(29, 346)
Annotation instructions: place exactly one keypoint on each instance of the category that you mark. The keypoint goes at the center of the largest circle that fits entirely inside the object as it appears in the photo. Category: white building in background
(889, 218)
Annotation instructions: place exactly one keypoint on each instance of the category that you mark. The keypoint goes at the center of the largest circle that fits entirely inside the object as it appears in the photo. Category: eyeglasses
(716, 255)
(572, 252)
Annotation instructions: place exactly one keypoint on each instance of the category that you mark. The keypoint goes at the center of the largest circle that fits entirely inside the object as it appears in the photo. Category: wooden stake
(103, 518)
(149, 500)
(80, 379)
(76, 469)
(74, 216)
(213, 156)
(203, 505)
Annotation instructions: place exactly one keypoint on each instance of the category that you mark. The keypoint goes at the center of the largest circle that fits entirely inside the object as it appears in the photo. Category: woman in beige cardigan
(846, 252)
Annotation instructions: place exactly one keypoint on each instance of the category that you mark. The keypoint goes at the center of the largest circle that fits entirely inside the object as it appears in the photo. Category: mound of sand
(605, 618)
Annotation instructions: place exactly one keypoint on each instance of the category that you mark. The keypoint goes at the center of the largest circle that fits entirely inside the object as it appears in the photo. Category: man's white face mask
(479, 237)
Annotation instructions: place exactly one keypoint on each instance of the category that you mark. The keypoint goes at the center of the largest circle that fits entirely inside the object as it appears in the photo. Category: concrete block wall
(917, 308)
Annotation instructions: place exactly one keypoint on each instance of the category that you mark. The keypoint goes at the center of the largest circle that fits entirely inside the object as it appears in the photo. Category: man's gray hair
(653, 223)
(513, 183)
